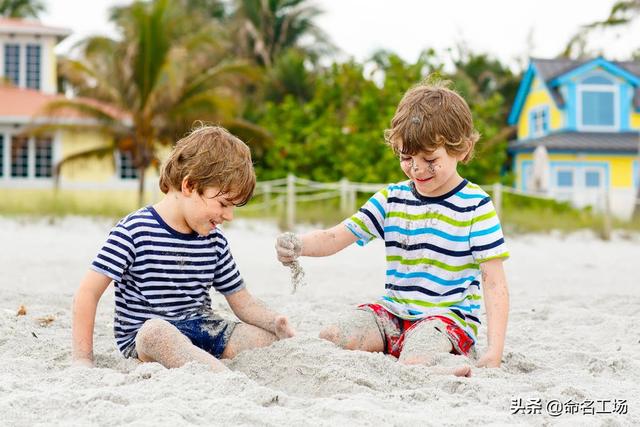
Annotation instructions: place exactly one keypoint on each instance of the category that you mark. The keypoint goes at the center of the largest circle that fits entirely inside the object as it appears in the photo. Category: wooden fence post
(291, 201)
(606, 213)
(266, 198)
(344, 196)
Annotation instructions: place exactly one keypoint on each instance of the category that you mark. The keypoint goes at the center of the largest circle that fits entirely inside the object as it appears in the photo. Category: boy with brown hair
(441, 235)
(163, 260)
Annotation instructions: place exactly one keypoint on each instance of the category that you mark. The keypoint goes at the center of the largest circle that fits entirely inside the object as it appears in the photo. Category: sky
(511, 30)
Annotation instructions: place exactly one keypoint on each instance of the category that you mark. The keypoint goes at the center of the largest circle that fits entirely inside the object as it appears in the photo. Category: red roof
(28, 103)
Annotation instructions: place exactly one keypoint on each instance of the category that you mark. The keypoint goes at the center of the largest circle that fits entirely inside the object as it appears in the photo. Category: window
(33, 66)
(597, 103)
(44, 158)
(1, 156)
(592, 179)
(540, 121)
(19, 157)
(12, 63)
(565, 178)
(126, 169)
(598, 108)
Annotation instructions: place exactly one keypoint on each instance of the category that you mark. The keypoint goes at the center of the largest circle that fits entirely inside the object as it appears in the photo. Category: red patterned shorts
(394, 329)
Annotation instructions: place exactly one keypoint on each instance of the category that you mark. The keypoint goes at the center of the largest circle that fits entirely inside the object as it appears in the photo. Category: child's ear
(186, 188)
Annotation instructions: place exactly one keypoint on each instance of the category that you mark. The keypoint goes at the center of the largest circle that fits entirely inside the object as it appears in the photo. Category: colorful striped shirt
(159, 272)
(434, 246)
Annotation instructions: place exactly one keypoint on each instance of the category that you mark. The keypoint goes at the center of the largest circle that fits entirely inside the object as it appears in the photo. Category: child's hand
(288, 248)
(283, 328)
(491, 359)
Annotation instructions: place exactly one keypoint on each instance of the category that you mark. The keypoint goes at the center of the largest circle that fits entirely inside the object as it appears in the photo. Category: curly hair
(210, 156)
(429, 116)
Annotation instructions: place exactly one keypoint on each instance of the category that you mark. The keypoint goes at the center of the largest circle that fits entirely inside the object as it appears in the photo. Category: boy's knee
(331, 334)
(152, 333)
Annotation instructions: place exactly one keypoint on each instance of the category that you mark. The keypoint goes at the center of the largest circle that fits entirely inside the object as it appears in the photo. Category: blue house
(586, 115)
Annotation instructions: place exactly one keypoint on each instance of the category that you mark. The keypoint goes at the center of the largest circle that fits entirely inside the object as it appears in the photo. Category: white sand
(574, 333)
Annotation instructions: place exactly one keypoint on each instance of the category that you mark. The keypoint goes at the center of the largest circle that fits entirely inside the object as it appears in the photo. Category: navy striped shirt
(159, 272)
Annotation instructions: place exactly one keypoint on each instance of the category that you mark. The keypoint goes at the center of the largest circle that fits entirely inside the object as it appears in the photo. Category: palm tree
(160, 77)
(267, 28)
(21, 8)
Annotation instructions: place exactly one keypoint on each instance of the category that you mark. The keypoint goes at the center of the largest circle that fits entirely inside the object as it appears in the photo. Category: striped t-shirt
(159, 272)
(434, 246)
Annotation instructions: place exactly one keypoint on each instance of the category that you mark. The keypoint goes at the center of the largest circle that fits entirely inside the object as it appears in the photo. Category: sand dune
(574, 335)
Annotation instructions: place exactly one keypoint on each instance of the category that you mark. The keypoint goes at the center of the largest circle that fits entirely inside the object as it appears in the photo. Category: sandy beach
(573, 338)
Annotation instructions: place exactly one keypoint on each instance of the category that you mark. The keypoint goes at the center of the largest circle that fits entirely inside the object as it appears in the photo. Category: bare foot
(462, 371)
(283, 328)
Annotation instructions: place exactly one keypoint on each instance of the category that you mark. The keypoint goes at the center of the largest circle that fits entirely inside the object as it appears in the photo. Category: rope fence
(282, 195)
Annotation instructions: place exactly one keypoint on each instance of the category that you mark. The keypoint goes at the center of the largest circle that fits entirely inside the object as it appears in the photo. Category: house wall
(48, 63)
(618, 175)
(538, 96)
(635, 120)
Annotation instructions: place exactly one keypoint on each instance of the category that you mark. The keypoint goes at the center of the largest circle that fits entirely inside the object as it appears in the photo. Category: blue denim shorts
(209, 333)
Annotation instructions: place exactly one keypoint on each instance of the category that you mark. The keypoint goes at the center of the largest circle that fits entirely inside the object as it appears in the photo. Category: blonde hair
(429, 116)
(210, 156)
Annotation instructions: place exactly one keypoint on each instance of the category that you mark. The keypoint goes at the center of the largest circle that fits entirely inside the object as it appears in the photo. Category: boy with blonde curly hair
(164, 259)
(443, 243)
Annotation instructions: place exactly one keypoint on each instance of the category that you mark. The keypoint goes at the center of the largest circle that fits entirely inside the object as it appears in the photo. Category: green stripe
(483, 217)
(475, 186)
(439, 216)
(361, 224)
(502, 255)
(457, 318)
(435, 304)
(462, 322)
(385, 193)
(428, 261)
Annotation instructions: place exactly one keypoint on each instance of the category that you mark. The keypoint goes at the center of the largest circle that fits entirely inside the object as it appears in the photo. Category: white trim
(29, 120)
(34, 30)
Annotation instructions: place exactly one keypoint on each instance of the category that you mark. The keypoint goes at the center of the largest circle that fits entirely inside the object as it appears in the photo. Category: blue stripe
(117, 264)
(178, 254)
(231, 288)
(204, 281)
(470, 196)
(424, 290)
(431, 277)
(115, 253)
(178, 271)
(427, 230)
(374, 221)
(468, 308)
(487, 246)
(399, 187)
(423, 246)
(485, 231)
(437, 202)
(378, 206)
